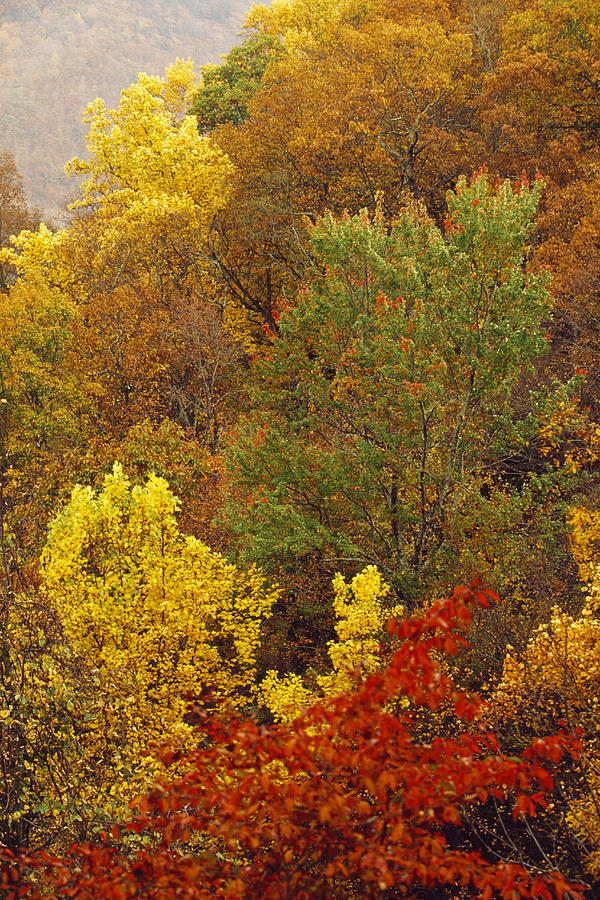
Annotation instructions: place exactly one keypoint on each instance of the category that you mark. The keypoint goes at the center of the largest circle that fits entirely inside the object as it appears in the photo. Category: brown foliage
(14, 212)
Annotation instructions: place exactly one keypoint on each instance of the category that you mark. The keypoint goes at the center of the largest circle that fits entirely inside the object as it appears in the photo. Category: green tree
(226, 89)
(388, 391)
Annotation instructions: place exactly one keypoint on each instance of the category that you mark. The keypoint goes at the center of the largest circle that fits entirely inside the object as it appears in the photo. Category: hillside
(300, 459)
(57, 55)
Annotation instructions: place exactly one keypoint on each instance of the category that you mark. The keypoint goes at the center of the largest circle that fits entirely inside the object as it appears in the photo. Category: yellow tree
(152, 180)
(133, 258)
(155, 620)
(304, 21)
(361, 614)
(152, 184)
(557, 680)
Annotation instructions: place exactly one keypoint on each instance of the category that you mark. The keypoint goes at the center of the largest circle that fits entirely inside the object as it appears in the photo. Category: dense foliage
(154, 620)
(387, 395)
(349, 800)
(329, 308)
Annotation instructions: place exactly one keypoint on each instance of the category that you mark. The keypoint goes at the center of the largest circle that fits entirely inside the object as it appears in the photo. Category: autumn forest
(300, 470)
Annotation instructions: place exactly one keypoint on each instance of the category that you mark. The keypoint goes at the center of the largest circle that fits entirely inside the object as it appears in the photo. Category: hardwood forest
(300, 470)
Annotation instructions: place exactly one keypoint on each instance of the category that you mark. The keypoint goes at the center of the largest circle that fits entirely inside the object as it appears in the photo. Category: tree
(145, 359)
(134, 262)
(14, 212)
(544, 80)
(46, 406)
(361, 614)
(152, 186)
(387, 393)
(417, 65)
(162, 448)
(226, 89)
(122, 344)
(131, 621)
(537, 112)
(348, 801)
(207, 374)
(157, 616)
(36, 737)
(556, 679)
(47, 701)
(395, 77)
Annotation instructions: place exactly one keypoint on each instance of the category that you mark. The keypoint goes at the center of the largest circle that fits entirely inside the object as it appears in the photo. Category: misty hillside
(57, 55)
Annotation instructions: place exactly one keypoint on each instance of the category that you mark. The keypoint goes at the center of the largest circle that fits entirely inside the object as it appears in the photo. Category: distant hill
(57, 55)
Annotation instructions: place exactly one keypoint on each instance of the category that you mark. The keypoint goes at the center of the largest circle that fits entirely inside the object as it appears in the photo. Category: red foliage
(348, 802)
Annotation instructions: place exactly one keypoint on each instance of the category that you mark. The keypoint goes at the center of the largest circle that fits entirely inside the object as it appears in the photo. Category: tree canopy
(339, 296)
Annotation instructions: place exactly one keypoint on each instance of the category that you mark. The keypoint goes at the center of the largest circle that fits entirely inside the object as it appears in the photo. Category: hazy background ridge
(57, 55)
